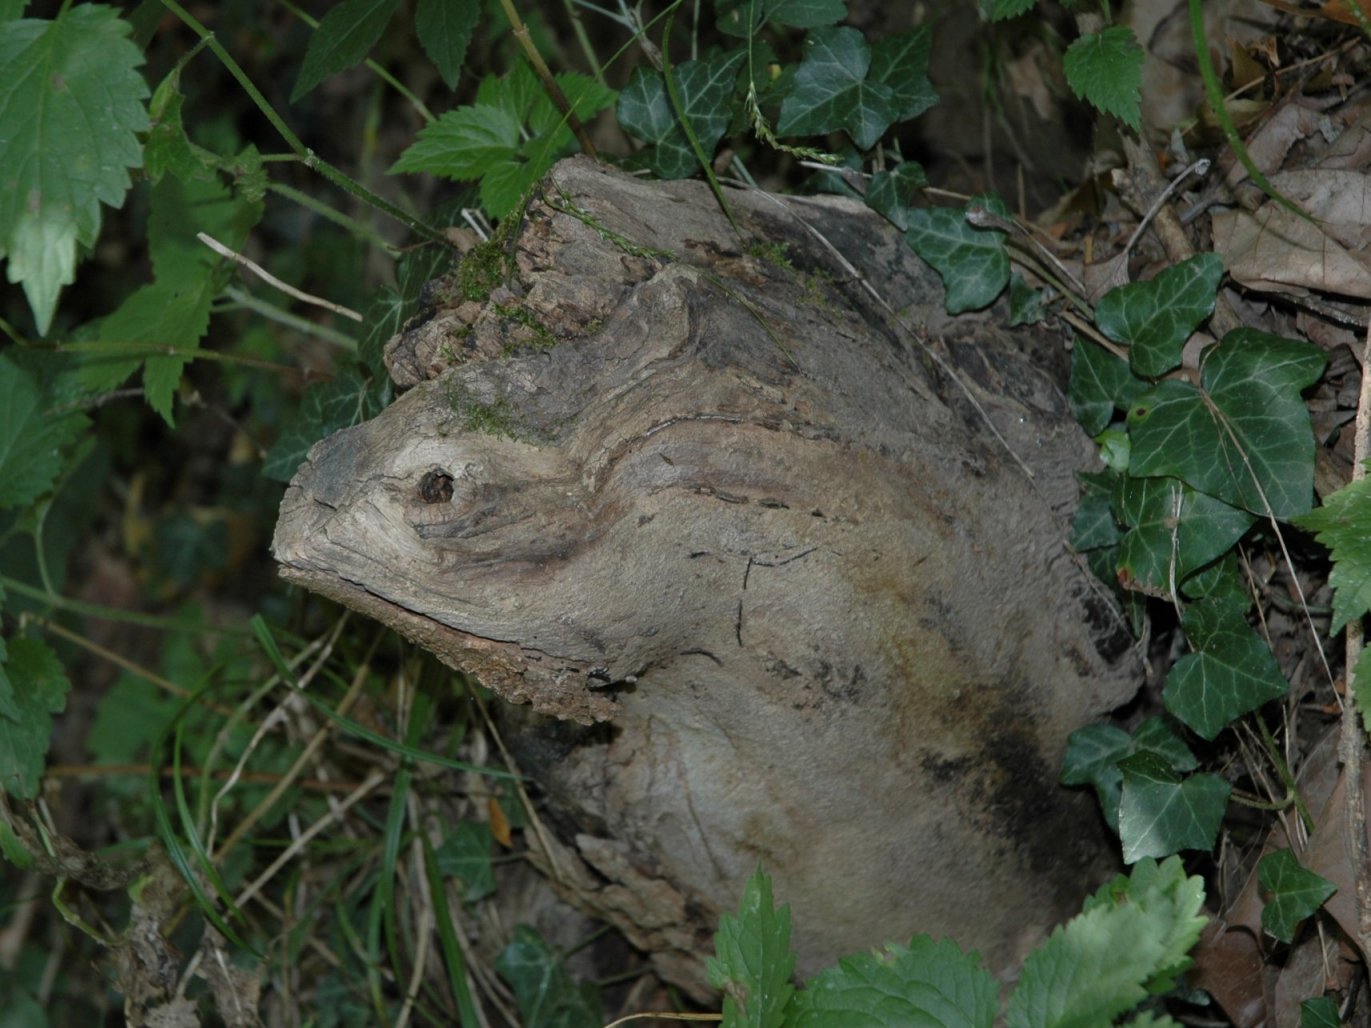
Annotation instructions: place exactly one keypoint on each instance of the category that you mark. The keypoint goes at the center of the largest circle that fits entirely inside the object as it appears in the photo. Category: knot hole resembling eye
(435, 486)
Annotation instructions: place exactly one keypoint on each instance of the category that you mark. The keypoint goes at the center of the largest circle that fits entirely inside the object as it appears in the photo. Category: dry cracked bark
(768, 584)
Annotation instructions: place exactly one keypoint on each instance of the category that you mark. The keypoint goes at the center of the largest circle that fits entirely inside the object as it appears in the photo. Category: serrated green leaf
(1173, 531)
(971, 261)
(1100, 383)
(465, 855)
(325, 408)
(832, 91)
(1320, 1012)
(546, 995)
(71, 105)
(1105, 70)
(1232, 673)
(38, 690)
(645, 111)
(926, 984)
(344, 37)
(444, 28)
(806, 14)
(753, 960)
(999, 10)
(1156, 317)
(1343, 525)
(1294, 893)
(1161, 814)
(32, 438)
(168, 148)
(1248, 441)
(508, 139)
(1165, 888)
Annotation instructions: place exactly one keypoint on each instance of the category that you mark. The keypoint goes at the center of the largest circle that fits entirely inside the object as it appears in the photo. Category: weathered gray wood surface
(741, 517)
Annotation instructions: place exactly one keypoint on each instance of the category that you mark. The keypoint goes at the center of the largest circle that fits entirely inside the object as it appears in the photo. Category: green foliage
(1343, 525)
(71, 103)
(1161, 813)
(508, 138)
(34, 439)
(466, 856)
(546, 995)
(753, 961)
(704, 87)
(971, 261)
(344, 37)
(1094, 756)
(1156, 317)
(1105, 69)
(1293, 892)
(33, 687)
(1319, 1013)
(1130, 941)
(445, 28)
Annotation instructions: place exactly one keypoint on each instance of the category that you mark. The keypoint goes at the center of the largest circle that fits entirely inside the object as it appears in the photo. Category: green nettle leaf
(999, 10)
(889, 193)
(1343, 525)
(1158, 316)
(444, 28)
(1100, 384)
(1161, 814)
(925, 983)
(1295, 893)
(1105, 70)
(971, 261)
(1320, 1012)
(37, 689)
(806, 14)
(1246, 439)
(344, 37)
(1093, 754)
(1091, 969)
(832, 91)
(71, 105)
(1173, 531)
(168, 148)
(507, 139)
(32, 439)
(542, 987)
(645, 110)
(1232, 673)
(753, 960)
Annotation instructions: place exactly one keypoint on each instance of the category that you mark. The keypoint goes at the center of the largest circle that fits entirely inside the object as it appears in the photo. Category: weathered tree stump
(698, 490)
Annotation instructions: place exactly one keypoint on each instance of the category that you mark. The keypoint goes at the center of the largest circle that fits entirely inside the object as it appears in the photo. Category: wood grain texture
(743, 526)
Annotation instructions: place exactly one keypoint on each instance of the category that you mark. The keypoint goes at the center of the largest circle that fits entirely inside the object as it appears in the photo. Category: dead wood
(701, 492)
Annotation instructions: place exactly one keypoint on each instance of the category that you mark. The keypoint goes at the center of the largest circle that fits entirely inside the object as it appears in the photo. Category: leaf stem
(550, 86)
(302, 153)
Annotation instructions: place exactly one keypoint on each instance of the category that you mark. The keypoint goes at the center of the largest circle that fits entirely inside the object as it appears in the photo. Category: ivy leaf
(891, 192)
(1100, 383)
(1130, 939)
(645, 111)
(1173, 531)
(1094, 527)
(753, 960)
(465, 855)
(1105, 69)
(1232, 673)
(832, 91)
(71, 105)
(1156, 317)
(344, 37)
(544, 991)
(1320, 1012)
(444, 28)
(971, 261)
(1161, 814)
(1248, 441)
(324, 409)
(901, 62)
(1295, 893)
(925, 983)
(34, 687)
(805, 14)
(32, 438)
(1343, 525)
(1093, 755)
